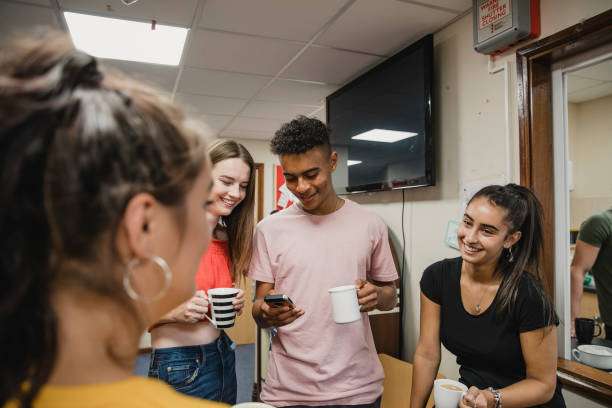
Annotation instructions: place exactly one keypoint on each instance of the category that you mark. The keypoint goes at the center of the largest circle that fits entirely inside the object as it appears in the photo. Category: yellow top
(135, 392)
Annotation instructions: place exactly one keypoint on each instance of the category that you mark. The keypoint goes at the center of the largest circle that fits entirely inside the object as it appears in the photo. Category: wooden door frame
(534, 81)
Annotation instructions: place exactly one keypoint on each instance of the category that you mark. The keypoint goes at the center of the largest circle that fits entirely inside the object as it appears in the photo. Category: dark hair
(240, 223)
(75, 147)
(299, 136)
(523, 213)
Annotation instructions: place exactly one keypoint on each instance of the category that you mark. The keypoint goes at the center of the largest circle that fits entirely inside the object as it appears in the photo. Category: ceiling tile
(209, 104)
(329, 66)
(319, 114)
(459, 6)
(601, 71)
(255, 124)
(158, 76)
(576, 83)
(296, 92)
(39, 2)
(16, 18)
(273, 110)
(383, 27)
(239, 53)
(287, 19)
(588, 94)
(246, 134)
(215, 122)
(218, 83)
(176, 12)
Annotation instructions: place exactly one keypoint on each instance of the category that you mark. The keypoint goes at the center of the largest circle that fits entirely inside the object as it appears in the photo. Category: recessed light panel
(383, 135)
(105, 37)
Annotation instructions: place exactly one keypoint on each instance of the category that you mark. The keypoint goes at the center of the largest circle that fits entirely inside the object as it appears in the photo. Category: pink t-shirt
(315, 361)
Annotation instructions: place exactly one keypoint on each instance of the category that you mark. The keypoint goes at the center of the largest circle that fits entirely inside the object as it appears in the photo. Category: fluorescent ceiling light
(126, 40)
(384, 135)
(352, 162)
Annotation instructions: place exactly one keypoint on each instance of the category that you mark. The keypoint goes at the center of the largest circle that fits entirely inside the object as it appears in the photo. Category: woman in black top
(488, 308)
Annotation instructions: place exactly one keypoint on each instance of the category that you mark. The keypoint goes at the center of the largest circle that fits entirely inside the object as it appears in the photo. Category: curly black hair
(299, 136)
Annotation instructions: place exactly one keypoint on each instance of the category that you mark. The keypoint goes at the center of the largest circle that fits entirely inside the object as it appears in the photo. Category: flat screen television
(381, 124)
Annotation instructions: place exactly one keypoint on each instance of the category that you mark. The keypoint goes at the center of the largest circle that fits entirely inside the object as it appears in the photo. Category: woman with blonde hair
(105, 188)
(189, 352)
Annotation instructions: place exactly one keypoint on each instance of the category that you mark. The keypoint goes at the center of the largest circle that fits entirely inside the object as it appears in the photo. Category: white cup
(448, 393)
(345, 305)
(221, 306)
(594, 356)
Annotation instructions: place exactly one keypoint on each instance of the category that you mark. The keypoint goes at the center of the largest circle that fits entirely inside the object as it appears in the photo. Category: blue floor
(245, 370)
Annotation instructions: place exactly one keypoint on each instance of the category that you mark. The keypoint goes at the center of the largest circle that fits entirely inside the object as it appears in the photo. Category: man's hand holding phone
(278, 309)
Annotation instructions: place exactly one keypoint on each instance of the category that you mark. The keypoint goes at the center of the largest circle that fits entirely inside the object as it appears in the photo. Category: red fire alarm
(499, 24)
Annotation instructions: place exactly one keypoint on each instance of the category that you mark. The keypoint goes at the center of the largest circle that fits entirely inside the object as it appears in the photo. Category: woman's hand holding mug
(193, 310)
(474, 398)
(239, 302)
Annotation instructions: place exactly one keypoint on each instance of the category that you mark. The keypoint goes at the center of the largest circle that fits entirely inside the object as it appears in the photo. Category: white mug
(221, 306)
(448, 393)
(345, 305)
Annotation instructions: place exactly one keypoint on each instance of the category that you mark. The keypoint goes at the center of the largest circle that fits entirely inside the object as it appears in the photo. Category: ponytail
(524, 213)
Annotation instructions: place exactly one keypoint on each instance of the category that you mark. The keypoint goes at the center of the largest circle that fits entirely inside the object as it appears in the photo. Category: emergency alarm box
(499, 24)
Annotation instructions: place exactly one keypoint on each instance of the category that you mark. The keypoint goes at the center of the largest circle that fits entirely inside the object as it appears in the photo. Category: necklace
(484, 292)
(338, 201)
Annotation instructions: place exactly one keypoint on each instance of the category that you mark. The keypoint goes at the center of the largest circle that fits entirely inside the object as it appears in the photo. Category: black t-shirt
(487, 346)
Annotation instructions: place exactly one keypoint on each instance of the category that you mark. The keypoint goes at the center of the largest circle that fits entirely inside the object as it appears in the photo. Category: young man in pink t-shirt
(319, 243)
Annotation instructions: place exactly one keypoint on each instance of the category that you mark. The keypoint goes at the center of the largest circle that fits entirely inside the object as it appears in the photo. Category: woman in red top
(189, 353)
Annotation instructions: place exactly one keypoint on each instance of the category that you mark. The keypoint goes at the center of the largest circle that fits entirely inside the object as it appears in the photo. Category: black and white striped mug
(221, 307)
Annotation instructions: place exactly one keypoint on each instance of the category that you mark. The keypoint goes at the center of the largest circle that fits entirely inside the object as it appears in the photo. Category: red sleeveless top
(215, 267)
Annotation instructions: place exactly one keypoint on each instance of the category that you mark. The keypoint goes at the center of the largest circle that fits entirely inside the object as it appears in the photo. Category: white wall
(590, 146)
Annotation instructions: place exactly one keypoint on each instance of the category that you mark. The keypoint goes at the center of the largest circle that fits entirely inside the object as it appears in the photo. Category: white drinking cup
(220, 303)
(345, 305)
(448, 393)
(594, 355)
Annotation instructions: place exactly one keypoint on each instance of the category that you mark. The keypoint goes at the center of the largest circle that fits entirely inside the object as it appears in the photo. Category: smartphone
(279, 301)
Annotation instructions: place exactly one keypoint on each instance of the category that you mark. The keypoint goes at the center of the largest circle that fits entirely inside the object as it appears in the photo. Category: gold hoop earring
(127, 285)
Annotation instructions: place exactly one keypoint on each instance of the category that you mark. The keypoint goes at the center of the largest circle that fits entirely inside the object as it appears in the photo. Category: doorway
(543, 169)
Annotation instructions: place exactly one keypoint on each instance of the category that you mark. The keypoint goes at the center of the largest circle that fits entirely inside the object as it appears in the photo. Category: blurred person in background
(593, 252)
(105, 189)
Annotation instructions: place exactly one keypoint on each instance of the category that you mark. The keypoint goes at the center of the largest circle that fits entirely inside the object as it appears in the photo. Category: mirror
(589, 181)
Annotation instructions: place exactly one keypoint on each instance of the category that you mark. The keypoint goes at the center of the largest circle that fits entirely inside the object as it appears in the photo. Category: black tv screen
(381, 124)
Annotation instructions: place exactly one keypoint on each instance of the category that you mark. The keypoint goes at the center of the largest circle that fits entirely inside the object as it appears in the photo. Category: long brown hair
(240, 223)
(75, 146)
(523, 213)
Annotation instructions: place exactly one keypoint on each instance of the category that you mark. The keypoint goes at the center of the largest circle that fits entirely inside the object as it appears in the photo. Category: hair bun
(79, 68)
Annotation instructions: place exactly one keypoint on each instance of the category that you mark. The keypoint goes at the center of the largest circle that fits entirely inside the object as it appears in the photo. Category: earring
(510, 256)
(127, 285)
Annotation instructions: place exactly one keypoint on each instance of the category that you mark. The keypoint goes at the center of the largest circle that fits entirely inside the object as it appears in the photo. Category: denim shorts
(207, 371)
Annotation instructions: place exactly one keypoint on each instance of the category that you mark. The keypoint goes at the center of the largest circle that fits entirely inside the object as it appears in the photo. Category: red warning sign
(492, 11)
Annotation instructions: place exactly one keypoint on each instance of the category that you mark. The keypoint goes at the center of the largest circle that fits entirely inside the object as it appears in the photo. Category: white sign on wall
(494, 17)
(468, 189)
